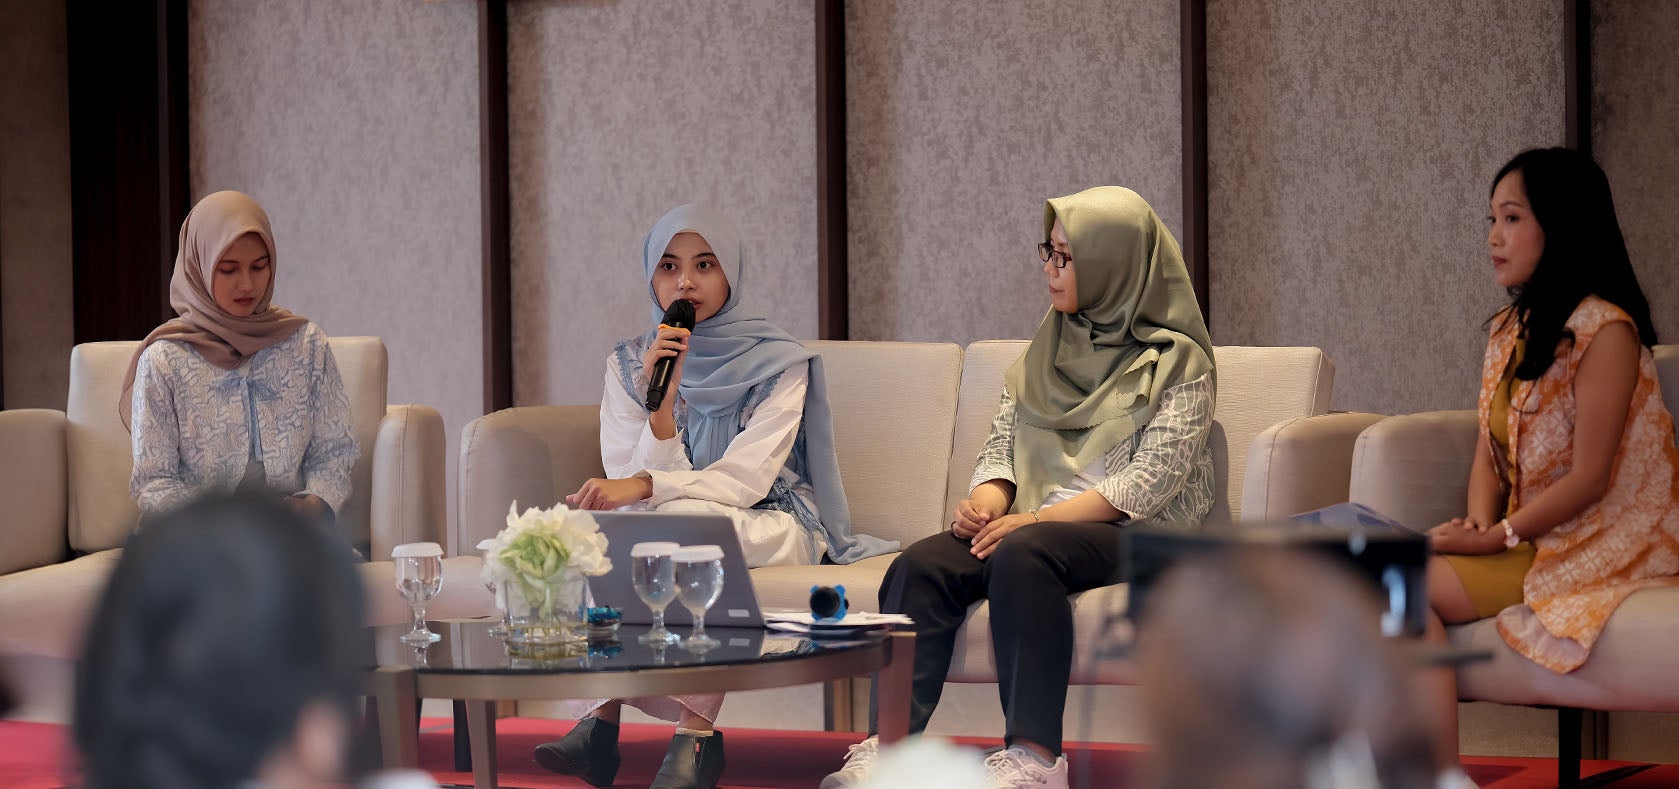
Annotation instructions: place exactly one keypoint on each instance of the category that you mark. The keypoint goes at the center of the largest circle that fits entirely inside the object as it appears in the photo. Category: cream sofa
(909, 419)
(1415, 468)
(64, 477)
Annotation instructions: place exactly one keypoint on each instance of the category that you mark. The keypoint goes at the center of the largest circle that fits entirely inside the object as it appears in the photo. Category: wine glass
(655, 584)
(699, 580)
(419, 577)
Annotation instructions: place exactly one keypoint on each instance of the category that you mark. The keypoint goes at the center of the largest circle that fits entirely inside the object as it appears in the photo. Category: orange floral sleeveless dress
(1626, 541)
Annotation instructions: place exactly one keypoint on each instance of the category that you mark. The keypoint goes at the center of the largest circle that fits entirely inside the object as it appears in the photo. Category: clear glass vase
(548, 613)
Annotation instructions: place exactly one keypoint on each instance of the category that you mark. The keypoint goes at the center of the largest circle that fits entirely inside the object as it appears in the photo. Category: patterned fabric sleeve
(996, 457)
(332, 452)
(1171, 448)
(156, 438)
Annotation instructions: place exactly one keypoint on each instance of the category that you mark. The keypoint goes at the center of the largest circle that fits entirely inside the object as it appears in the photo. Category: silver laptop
(737, 606)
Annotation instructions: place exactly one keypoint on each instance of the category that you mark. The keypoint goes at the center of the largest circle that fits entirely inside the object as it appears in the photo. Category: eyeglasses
(1048, 252)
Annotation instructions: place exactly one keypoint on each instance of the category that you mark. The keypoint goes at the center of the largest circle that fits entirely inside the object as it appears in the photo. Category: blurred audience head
(1267, 669)
(225, 649)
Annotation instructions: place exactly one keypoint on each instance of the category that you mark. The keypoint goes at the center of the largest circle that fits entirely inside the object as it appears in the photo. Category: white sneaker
(859, 765)
(1017, 768)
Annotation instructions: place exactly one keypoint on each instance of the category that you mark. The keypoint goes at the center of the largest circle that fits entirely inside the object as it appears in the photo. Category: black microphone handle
(680, 314)
(659, 382)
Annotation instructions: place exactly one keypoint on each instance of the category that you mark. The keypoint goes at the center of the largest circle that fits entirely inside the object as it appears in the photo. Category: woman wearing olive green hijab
(1103, 419)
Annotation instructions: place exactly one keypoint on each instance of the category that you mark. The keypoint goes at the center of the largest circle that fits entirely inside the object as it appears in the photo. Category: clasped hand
(982, 528)
(1466, 536)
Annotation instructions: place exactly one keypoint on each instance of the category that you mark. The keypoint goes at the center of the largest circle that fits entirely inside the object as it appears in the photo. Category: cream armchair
(1415, 469)
(64, 477)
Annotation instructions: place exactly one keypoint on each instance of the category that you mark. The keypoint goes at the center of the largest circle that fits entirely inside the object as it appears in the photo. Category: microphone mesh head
(680, 314)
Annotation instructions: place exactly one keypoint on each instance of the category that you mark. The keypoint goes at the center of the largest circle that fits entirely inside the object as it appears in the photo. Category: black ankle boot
(691, 763)
(589, 751)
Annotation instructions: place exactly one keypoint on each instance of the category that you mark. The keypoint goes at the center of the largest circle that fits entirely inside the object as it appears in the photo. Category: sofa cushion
(1414, 468)
(32, 484)
(1257, 388)
(787, 588)
(532, 455)
(892, 405)
(983, 365)
(100, 451)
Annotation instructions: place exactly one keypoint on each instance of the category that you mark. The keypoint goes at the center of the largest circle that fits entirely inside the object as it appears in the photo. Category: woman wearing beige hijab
(235, 394)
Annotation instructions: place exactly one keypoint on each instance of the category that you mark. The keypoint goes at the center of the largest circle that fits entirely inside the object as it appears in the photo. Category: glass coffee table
(470, 665)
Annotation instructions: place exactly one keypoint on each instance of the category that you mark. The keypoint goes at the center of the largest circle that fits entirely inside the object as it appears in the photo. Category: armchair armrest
(409, 486)
(1301, 464)
(1415, 468)
(533, 455)
(34, 485)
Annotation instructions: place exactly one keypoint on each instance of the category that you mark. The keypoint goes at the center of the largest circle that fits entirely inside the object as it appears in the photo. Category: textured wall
(1351, 146)
(621, 111)
(963, 117)
(1635, 113)
(356, 126)
(35, 271)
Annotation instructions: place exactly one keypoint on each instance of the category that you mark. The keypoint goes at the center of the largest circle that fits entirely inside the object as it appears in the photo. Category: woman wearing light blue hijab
(747, 434)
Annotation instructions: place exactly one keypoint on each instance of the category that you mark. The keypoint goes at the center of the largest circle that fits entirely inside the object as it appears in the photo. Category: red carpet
(32, 756)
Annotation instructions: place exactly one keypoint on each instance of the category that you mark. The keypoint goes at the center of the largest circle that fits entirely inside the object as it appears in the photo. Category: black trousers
(1027, 579)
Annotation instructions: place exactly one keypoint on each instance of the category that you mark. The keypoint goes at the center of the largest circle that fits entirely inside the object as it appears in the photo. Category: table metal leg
(894, 683)
(397, 707)
(481, 726)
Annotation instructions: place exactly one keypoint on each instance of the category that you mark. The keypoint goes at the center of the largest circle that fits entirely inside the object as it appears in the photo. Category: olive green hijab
(1090, 380)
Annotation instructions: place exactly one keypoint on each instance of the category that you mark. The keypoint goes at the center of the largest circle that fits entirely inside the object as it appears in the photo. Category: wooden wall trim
(128, 162)
(1577, 74)
(496, 224)
(832, 222)
(1192, 50)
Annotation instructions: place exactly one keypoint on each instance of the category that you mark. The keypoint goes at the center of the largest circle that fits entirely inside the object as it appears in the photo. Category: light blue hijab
(735, 350)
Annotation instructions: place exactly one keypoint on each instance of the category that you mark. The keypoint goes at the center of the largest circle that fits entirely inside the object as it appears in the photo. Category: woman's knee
(1021, 554)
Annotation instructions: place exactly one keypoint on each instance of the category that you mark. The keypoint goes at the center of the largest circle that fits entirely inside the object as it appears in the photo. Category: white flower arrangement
(540, 549)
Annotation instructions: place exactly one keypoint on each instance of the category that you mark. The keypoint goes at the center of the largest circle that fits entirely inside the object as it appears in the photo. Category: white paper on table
(852, 619)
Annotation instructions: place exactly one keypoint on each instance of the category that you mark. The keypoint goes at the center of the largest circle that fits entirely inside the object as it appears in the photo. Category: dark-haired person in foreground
(226, 653)
(1572, 493)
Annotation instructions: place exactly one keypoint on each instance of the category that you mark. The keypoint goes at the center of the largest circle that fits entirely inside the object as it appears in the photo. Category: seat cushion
(1632, 666)
(788, 588)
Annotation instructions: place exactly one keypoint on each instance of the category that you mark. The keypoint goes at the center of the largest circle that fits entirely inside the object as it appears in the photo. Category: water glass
(699, 580)
(419, 577)
(655, 583)
(505, 626)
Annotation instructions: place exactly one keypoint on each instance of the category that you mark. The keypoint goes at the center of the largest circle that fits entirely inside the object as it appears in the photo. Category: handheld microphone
(679, 315)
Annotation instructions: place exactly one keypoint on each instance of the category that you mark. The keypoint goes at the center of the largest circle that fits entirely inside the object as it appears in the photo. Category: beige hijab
(223, 340)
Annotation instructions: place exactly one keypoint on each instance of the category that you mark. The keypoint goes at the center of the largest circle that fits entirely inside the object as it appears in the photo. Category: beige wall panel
(356, 126)
(621, 111)
(963, 117)
(35, 269)
(1635, 112)
(1351, 150)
